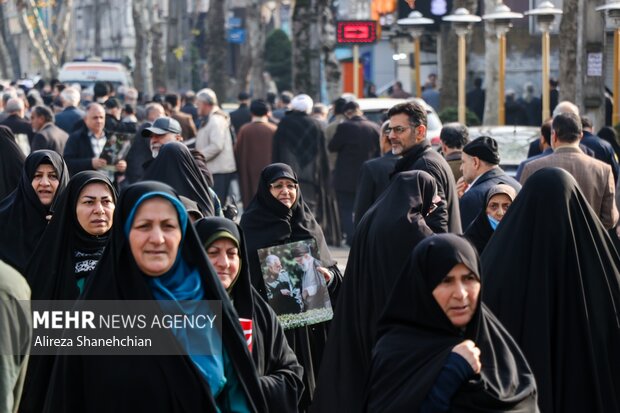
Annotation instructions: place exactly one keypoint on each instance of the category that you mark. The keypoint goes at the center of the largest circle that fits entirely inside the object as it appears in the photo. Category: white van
(89, 72)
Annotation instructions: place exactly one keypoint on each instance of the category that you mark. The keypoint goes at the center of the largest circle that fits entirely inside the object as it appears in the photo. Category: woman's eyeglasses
(279, 187)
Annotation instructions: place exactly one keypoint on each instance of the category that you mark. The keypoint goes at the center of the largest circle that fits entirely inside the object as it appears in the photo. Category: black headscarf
(279, 372)
(383, 241)
(267, 222)
(415, 338)
(127, 383)
(22, 215)
(11, 162)
(552, 277)
(51, 272)
(176, 167)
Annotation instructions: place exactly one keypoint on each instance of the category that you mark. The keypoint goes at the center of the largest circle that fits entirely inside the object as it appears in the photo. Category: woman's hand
(468, 350)
(326, 274)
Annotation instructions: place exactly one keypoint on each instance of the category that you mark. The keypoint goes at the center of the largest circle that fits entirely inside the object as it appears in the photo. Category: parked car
(88, 72)
(376, 109)
(513, 143)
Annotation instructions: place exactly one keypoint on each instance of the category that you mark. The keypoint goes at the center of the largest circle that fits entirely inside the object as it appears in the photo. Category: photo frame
(296, 290)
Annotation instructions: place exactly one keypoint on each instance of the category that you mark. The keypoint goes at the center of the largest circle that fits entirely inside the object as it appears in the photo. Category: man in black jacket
(356, 141)
(408, 139)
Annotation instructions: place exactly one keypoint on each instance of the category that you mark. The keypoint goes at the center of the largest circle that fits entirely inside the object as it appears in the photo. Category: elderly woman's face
(457, 295)
(498, 205)
(284, 190)
(95, 208)
(45, 183)
(224, 256)
(155, 236)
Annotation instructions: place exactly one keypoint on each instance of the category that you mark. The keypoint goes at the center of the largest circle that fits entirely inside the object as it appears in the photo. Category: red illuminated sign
(356, 31)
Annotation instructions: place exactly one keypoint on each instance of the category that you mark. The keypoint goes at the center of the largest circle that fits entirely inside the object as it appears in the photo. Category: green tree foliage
(278, 59)
(451, 114)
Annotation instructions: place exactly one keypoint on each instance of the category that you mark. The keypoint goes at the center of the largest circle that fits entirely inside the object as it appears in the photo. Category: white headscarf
(302, 103)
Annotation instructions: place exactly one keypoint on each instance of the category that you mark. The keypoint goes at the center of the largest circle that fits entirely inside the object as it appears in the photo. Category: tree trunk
(179, 45)
(142, 11)
(449, 56)
(158, 53)
(64, 12)
(23, 9)
(569, 51)
(217, 52)
(491, 72)
(330, 62)
(306, 58)
(256, 27)
(97, 18)
(11, 49)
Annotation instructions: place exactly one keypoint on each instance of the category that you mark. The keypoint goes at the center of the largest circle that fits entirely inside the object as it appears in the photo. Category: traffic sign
(356, 31)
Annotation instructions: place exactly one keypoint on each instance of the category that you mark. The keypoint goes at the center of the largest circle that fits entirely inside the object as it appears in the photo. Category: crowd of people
(465, 289)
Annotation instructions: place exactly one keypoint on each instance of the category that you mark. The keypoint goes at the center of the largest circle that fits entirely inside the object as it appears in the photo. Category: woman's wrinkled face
(155, 236)
(284, 190)
(45, 183)
(457, 295)
(95, 208)
(224, 256)
(498, 205)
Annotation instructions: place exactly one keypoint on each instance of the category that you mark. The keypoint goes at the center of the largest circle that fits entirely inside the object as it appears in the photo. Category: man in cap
(481, 172)
(250, 152)
(162, 131)
(595, 178)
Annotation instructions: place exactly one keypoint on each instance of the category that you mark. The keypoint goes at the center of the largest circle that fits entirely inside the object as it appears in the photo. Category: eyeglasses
(398, 130)
(279, 187)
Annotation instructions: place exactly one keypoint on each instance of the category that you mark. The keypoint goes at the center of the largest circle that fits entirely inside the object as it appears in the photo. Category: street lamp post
(613, 12)
(462, 21)
(416, 22)
(501, 20)
(545, 14)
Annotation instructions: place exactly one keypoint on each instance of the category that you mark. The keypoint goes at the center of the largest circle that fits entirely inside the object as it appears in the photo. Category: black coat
(50, 137)
(423, 158)
(78, 152)
(374, 179)
(356, 141)
(415, 338)
(69, 118)
(392, 227)
(240, 116)
(552, 277)
(19, 126)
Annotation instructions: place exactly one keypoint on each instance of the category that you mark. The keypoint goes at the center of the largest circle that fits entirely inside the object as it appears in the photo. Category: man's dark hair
(586, 123)
(567, 127)
(339, 105)
(351, 106)
(454, 135)
(101, 89)
(44, 112)
(173, 99)
(271, 98)
(478, 82)
(286, 97)
(415, 112)
(545, 131)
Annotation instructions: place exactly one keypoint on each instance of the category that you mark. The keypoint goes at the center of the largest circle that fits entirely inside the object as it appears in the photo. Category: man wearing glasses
(407, 134)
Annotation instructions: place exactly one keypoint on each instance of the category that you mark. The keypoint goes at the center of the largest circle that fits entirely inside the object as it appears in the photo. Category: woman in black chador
(279, 372)
(69, 250)
(278, 215)
(24, 213)
(439, 348)
(154, 254)
(551, 276)
(384, 238)
(11, 162)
